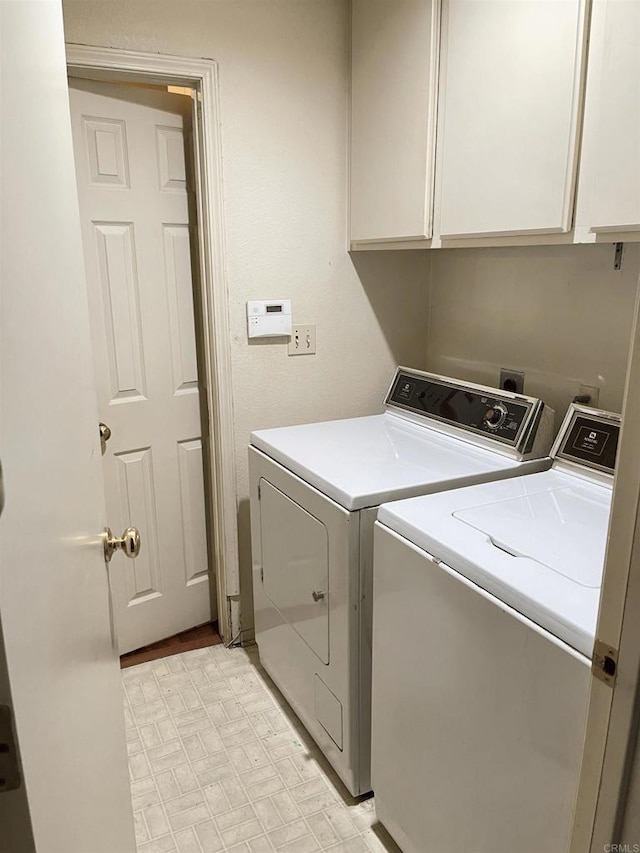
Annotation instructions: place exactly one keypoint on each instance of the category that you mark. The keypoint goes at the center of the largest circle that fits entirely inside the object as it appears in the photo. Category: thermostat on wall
(269, 318)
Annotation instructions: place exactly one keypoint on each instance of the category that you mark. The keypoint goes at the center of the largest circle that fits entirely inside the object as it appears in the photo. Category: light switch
(303, 340)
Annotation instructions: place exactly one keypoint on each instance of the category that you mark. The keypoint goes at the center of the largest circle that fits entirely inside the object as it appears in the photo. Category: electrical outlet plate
(512, 380)
(303, 339)
(591, 391)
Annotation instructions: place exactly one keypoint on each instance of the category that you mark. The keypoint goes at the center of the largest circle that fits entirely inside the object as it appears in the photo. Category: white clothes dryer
(315, 492)
(480, 701)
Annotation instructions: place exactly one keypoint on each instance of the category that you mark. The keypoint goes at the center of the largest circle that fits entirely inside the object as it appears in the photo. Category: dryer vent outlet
(512, 380)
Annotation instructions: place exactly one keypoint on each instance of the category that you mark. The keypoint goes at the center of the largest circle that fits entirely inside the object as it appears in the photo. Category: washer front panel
(492, 555)
(478, 714)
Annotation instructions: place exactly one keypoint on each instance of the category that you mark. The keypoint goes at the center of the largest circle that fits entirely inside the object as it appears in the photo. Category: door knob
(105, 435)
(128, 543)
(317, 595)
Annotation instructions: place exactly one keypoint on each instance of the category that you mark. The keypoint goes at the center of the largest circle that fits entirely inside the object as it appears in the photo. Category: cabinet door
(512, 77)
(612, 117)
(393, 111)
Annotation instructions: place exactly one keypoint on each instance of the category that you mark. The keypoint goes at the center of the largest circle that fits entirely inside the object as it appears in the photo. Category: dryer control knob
(495, 416)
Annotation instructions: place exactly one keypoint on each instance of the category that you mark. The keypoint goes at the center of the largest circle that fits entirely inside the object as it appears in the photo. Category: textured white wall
(283, 91)
(560, 313)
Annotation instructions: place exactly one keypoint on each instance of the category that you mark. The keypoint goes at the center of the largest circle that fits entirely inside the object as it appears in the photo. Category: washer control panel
(494, 413)
(589, 437)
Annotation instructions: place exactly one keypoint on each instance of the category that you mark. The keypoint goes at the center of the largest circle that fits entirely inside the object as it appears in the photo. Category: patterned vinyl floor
(219, 763)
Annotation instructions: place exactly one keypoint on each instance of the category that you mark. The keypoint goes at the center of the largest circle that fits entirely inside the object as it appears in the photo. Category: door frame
(610, 739)
(99, 63)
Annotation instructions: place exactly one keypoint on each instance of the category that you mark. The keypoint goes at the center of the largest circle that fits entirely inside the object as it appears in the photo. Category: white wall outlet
(303, 340)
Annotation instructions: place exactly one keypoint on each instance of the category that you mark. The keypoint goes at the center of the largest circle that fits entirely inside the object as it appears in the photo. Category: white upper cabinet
(393, 118)
(509, 115)
(609, 197)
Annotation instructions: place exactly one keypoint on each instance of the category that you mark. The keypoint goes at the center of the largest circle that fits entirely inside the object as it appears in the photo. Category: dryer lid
(362, 462)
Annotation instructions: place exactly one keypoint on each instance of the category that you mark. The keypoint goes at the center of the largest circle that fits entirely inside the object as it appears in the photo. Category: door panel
(130, 161)
(171, 159)
(137, 495)
(121, 300)
(62, 668)
(106, 152)
(177, 253)
(193, 508)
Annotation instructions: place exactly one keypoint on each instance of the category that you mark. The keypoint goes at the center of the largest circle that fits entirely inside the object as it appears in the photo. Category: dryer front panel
(295, 566)
(305, 551)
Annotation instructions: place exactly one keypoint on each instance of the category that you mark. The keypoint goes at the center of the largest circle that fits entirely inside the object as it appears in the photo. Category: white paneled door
(63, 673)
(132, 183)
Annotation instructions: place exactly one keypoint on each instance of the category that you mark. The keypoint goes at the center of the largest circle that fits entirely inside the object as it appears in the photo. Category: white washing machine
(315, 492)
(480, 698)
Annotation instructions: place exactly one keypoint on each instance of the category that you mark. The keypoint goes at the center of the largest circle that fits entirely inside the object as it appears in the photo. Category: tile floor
(219, 763)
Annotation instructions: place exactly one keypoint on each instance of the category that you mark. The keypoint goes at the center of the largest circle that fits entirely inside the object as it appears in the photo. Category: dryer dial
(495, 415)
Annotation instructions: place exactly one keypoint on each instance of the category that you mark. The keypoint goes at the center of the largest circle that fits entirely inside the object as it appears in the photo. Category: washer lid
(563, 529)
(536, 542)
(362, 462)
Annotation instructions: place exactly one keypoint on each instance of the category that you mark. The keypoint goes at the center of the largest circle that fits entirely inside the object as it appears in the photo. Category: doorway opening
(191, 246)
